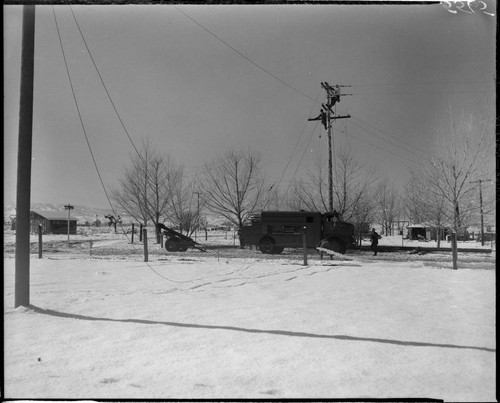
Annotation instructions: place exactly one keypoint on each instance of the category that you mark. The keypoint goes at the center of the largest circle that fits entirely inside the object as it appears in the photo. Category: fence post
(132, 233)
(39, 241)
(145, 239)
(454, 250)
(304, 245)
(140, 233)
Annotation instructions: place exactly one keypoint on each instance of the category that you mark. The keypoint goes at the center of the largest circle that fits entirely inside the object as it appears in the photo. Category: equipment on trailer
(272, 231)
(177, 242)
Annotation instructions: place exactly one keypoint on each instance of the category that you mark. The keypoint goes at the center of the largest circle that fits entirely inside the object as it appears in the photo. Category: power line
(390, 142)
(380, 148)
(300, 162)
(393, 137)
(419, 92)
(244, 56)
(110, 99)
(427, 83)
(88, 142)
(102, 82)
(78, 108)
(298, 141)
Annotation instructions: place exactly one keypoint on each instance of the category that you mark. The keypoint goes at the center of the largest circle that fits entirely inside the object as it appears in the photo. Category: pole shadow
(262, 331)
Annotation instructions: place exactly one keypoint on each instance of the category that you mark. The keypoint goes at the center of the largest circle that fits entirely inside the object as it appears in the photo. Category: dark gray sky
(240, 76)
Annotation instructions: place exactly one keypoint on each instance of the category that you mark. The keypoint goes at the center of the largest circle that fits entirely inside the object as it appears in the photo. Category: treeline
(442, 191)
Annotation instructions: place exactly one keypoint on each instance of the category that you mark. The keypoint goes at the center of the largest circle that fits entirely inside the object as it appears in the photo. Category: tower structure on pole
(326, 116)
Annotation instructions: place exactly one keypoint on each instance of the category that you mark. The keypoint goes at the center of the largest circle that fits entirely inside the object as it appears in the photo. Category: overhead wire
(380, 148)
(427, 83)
(296, 90)
(243, 55)
(102, 82)
(297, 143)
(393, 137)
(113, 105)
(383, 139)
(273, 76)
(78, 107)
(305, 95)
(298, 165)
(418, 92)
(89, 145)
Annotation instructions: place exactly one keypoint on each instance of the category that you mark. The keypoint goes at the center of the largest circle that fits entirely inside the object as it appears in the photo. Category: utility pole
(326, 116)
(68, 207)
(197, 215)
(25, 136)
(481, 206)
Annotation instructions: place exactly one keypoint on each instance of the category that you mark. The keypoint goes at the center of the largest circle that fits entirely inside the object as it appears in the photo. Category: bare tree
(351, 188)
(364, 213)
(389, 206)
(186, 204)
(464, 155)
(145, 189)
(422, 205)
(233, 186)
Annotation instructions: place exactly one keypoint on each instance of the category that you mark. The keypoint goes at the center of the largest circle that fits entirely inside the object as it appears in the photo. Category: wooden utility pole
(40, 244)
(326, 116)
(481, 206)
(304, 244)
(68, 207)
(145, 243)
(23, 193)
(197, 215)
(454, 250)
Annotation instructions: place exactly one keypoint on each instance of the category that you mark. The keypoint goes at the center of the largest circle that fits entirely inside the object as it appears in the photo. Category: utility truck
(272, 231)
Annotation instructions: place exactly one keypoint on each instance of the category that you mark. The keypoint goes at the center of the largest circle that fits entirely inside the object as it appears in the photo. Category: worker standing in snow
(374, 238)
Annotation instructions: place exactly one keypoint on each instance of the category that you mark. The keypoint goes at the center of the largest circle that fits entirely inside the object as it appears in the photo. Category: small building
(429, 232)
(489, 232)
(53, 222)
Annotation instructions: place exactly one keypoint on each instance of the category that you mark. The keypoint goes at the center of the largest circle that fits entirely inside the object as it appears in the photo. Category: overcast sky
(196, 80)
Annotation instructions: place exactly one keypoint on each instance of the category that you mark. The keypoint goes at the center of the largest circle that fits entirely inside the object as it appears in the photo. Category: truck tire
(267, 245)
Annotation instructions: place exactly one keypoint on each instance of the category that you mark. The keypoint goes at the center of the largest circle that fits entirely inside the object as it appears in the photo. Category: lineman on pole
(322, 116)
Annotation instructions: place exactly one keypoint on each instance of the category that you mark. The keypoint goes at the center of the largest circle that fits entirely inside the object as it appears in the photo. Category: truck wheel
(267, 245)
(336, 245)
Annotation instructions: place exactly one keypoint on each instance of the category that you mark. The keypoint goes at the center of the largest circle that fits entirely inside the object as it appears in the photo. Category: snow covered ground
(239, 324)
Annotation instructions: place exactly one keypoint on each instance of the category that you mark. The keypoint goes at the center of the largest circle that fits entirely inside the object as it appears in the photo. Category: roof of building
(54, 215)
(421, 225)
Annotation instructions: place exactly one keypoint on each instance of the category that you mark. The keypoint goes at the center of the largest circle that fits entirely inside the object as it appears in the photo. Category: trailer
(177, 242)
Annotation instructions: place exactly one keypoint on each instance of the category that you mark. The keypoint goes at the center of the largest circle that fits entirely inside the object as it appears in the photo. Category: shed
(53, 222)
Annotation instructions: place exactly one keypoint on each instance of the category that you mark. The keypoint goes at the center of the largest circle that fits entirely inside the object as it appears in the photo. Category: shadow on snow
(247, 330)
